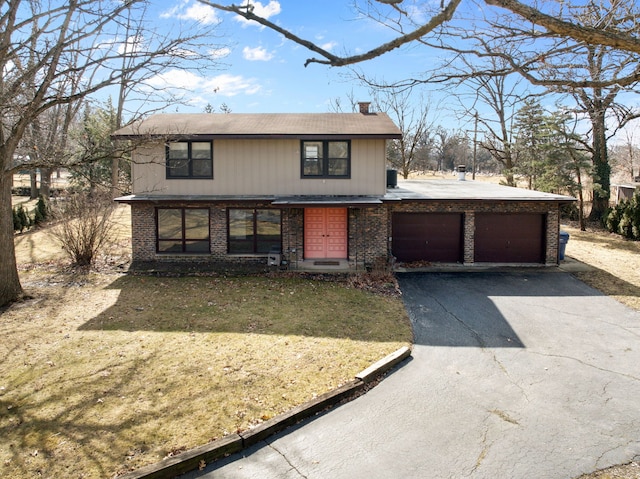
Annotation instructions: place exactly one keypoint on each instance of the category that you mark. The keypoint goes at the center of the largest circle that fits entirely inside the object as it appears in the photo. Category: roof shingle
(263, 125)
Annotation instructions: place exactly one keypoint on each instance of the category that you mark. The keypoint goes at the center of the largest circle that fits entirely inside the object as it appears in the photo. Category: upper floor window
(326, 159)
(190, 159)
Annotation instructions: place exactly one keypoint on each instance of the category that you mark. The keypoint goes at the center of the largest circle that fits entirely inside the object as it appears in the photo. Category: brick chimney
(364, 107)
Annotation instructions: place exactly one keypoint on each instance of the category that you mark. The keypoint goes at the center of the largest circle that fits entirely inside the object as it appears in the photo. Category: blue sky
(260, 71)
(263, 72)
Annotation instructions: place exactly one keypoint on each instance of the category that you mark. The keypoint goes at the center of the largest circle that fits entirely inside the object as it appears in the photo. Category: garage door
(435, 237)
(509, 238)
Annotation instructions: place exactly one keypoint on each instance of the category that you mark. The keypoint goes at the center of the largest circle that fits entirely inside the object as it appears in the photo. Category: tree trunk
(581, 222)
(45, 182)
(601, 169)
(33, 176)
(10, 288)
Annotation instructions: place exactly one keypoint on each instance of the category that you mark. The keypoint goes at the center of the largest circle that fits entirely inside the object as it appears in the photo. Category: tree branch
(333, 60)
(582, 33)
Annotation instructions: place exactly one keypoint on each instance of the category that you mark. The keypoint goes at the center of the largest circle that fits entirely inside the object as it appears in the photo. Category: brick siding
(369, 230)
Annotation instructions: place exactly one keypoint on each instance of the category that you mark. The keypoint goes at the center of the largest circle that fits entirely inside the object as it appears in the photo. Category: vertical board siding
(261, 167)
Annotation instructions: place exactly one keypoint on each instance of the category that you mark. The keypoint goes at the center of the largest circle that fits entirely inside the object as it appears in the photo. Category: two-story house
(232, 188)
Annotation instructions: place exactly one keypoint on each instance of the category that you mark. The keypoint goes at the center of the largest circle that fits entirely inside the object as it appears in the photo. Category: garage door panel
(509, 238)
(435, 237)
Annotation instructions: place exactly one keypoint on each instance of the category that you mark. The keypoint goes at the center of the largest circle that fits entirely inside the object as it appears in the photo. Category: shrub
(612, 219)
(17, 222)
(41, 211)
(85, 225)
(21, 220)
(624, 218)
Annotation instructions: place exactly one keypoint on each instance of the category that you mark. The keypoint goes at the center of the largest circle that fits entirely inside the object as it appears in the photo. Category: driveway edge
(199, 456)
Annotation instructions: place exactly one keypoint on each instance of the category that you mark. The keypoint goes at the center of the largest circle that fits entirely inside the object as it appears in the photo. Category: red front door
(325, 233)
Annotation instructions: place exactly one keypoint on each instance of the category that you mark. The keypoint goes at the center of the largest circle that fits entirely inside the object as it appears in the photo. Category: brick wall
(143, 226)
(293, 236)
(369, 230)
(368, 245)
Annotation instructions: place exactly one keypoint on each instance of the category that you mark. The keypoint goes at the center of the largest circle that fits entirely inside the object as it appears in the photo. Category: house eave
(324, 201)
(129, 199)
(257, 136)
(279, 201)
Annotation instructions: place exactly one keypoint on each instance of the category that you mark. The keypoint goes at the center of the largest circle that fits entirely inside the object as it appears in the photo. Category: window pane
(338, 149)
(196, 223)
(312, 167)
(197, 246)
(312, 158)
(313, 149)
(201, 150)
(170, 246)
(338, 167)
(241, 246)
(201, 168)
(169, 224)
(178, 150)
(178, 167)
(240, 224)
(268, 229)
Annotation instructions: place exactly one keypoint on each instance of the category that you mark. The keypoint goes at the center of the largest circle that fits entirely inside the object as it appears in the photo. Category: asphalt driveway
(513, 375)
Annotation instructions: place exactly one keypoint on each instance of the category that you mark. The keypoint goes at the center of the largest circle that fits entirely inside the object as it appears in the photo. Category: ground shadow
(458, 309)
(268, 305)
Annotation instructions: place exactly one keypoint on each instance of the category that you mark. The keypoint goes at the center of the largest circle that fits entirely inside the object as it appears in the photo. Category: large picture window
(183, 230)
(253, 231)
(190, 159)
(326, 159)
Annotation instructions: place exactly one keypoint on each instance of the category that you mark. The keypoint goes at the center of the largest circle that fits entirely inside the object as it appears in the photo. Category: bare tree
(593, 74)
(43, 45)
(543, 16)
(501, 94)
(626, 158)
(408, 153)
(546, 43)
(451, 148)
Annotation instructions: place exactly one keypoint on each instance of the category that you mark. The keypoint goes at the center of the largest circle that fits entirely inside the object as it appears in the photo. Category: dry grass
(615, 262)
(105, 372)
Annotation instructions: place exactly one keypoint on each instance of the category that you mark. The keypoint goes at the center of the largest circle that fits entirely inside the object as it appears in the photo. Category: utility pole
(475, 147)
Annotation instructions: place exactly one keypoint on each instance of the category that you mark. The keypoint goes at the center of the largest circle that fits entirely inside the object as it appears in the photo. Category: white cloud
(232, 85)
(268, 10)
(193, 11)
(180, 79)
(219, 52)
(132, 44)
(265, 11)
(329, 46)
(194, 85)
(256, 54)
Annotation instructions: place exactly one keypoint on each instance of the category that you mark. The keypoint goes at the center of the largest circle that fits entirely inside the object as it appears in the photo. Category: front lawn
(106, 372)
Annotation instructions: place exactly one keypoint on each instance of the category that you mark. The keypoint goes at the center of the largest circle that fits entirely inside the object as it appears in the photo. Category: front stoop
(323, 266)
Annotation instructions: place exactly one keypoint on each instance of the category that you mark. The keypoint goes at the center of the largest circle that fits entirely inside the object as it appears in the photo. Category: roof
(407, 190)
(263, 125)
(466, 190)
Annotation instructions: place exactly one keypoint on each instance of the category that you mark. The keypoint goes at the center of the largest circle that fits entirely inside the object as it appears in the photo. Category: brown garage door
(509, 238)
(435, 237)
